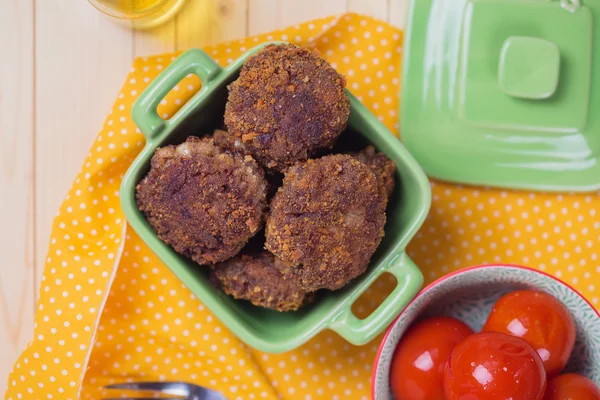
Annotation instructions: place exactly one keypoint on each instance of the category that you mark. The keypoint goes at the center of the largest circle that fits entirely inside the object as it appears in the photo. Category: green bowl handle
(361, 331)
(194, 61)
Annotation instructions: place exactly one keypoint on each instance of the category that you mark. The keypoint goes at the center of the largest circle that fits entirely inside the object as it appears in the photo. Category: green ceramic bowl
(263, 329)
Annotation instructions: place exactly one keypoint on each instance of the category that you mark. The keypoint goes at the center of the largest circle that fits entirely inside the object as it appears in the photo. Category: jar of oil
(141, 13)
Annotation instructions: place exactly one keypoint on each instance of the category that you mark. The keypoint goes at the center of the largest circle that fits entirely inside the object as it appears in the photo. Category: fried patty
(287, 105)
(382, 166)
(255, 278)
(202, 201)
(326, 221)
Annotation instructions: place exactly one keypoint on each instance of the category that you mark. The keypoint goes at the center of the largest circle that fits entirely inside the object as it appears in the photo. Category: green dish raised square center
(529, 67)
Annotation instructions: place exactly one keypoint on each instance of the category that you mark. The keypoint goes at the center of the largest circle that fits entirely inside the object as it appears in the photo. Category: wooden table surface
(61, 65)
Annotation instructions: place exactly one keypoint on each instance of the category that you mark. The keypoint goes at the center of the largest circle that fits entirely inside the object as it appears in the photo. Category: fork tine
(144, 398)
(136, 386)
(170, 388)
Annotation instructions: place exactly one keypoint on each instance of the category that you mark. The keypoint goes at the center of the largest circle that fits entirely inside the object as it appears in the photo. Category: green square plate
(504, 92)
(263, 329)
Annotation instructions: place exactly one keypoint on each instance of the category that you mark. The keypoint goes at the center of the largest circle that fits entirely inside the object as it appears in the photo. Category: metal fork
(180, 391)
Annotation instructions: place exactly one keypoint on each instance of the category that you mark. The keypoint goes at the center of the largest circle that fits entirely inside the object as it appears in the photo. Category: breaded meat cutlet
(382, 166)
(202, 201)
(255, 278)
(326, 221)
(287, 105)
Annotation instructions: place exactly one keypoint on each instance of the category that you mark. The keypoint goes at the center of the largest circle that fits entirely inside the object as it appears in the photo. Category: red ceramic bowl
(469, 295)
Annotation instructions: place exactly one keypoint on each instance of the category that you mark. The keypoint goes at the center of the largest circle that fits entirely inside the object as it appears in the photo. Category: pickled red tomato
(417, 371)
(571, 387)
(490, 366)
(540, 320)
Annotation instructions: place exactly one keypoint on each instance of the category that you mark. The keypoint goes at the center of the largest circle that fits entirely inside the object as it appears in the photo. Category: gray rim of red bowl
(437, 281)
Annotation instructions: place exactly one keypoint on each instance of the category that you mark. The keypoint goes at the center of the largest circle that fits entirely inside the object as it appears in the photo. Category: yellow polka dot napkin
(110, 311)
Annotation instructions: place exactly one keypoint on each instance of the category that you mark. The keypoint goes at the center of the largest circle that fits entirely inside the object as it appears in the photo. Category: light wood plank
(153, 41)
(397, 13)
(82, 59)
(263, 16)
(16, 182)
(205, 22)
(373, 8)
(230, 20)
(295, 12)
(193, 24)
